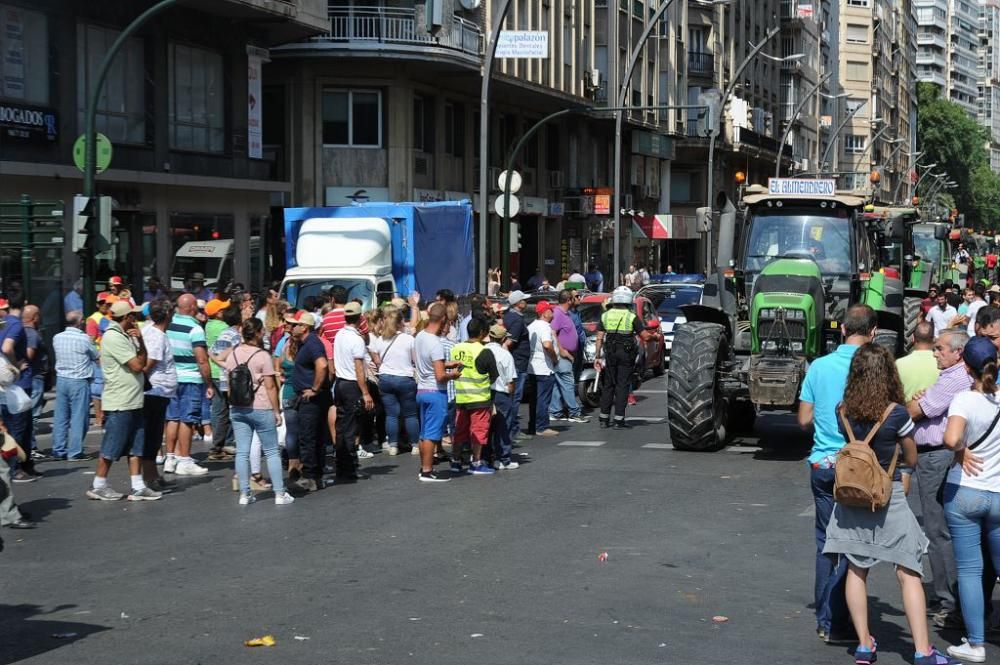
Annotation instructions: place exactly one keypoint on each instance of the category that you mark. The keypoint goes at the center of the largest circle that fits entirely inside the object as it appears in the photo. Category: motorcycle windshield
(807, 233)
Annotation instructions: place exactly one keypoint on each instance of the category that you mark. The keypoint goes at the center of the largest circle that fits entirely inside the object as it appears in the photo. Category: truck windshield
(781, 232)
(926, 246)
(185, 266)
(296, 292)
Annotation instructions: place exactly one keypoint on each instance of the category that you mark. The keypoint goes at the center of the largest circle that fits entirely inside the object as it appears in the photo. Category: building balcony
(700, 64)
(793, 10)
(395, 29)
(282, 20)
(931, 38)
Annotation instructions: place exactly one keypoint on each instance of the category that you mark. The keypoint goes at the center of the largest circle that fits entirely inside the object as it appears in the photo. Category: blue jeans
(514, 423)
(37, 404)
(19, 426)
(564, 390)
(969, 513)
(245, 422)
(72, 417)
(502, 445)
(543, 396)
(399, 398)
(831, 569)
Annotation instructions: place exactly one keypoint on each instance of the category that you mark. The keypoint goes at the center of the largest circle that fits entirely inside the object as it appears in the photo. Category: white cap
(516, 297)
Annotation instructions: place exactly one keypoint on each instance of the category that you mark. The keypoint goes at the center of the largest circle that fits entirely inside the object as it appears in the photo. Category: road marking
(659, 446)
(808, 512)
(743, 449)
(583, 444)
(646, 419)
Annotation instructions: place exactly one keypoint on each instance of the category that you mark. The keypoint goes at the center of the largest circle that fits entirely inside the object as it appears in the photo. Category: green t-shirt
(918, 371)
(122, 386)
(214, 328)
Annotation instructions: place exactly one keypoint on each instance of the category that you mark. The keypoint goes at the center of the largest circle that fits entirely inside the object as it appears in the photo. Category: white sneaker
(968, 652)
(385, 445)
(415, 451)
(364, 454)
(170, 465)
(196, 437)
(207, 438)
(506, 466)
(190, 469)
(159, 460)
(247, 498)
(393, 451)
(283, 499)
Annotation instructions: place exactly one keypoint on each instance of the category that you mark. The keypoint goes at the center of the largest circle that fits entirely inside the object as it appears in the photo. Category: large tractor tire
(888, 339)
(697, 410)
(911, 317)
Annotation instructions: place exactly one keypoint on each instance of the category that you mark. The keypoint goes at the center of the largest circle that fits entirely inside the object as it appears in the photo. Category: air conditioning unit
(557, 180)
(592, 78)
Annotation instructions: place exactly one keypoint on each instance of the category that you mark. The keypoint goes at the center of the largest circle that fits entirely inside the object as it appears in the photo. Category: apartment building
(947, 43)
(989, 77)
(182, 112)
(800, 37)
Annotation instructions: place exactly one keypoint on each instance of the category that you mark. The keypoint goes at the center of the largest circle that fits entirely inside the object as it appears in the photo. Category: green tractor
(801, 261)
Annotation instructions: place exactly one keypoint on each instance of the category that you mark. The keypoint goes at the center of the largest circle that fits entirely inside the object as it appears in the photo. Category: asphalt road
(485, 570)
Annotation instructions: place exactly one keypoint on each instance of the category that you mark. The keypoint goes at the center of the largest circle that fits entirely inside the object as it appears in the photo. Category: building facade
(948, 43)
(181, 107)
(989, 77)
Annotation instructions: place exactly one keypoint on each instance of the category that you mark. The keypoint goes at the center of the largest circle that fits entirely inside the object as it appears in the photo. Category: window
(854, 144)
(423, 123)
(857, 34)
(24, 47)
(853, 104)
(859, 3)
(121, 110)
(454, 129)
(857, 70)
(197, 120)
(352, 118)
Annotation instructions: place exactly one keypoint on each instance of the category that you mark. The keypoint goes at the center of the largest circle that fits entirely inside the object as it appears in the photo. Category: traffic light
(91, 224)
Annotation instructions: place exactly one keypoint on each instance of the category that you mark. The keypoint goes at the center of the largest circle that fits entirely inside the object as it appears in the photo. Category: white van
(213, 259)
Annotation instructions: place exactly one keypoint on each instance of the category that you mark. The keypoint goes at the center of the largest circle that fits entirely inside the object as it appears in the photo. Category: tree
(954, 141)
(986, 193)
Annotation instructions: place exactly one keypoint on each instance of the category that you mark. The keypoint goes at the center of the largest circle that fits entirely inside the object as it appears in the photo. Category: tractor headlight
(797, 346)
(768, 314)
(795, 314)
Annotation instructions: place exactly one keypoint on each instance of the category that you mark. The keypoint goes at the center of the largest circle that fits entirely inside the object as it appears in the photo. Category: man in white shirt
(503, 399)
(942, 314)
(542, 366)
(978, 302)
(350, 391)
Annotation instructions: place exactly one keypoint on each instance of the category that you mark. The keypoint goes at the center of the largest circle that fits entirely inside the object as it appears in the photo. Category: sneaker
(207, 438)
(220, 456)
(160, 485)
(392, 450)
(935, 658)
(506, 466)
(864, 655)
(364, 454)
(385, 445)
(431, 477)
(104, 494)
(456, 468)
(159, 460)
(482, 469)
(246, 498)
(578, 419)
(170, 465)
(415, 451)
(145, 494)
(283, 499)
(548, 432)
(968, 652)
(85, 457)
(557, 417)
(190, 469)
(229, 450)
(22, 476)
(604, 423)
(37, 456)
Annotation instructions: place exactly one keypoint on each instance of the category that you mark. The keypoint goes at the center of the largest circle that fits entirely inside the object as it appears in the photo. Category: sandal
(259, 482)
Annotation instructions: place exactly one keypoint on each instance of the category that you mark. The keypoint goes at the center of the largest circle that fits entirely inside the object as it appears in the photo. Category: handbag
(18, 401)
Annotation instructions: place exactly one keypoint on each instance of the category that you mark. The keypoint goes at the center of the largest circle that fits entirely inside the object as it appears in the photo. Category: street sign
(515, 182)
(515, 206)
(801, 187)
(523, 44)
(103, 152)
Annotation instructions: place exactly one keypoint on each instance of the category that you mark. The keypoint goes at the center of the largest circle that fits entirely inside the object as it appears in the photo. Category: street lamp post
(791, 122)
(916, 187)
(915, 156)
(714, 132)
(833, 137)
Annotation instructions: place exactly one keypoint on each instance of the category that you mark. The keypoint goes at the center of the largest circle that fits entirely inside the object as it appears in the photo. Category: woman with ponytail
(972, 492)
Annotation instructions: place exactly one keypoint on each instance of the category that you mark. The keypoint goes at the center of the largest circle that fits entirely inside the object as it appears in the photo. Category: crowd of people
(929, 417)
(269, 382)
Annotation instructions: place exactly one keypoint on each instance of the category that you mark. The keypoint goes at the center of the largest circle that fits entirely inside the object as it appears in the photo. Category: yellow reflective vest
(472, 386)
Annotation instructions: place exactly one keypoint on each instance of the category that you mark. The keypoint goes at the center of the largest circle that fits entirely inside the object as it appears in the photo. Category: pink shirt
(260, 366)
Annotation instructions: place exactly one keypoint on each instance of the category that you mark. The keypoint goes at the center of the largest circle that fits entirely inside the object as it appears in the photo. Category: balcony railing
(389, 25)
(700, 63)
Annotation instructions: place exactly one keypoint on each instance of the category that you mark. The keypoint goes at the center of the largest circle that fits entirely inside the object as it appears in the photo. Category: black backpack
(241, 384)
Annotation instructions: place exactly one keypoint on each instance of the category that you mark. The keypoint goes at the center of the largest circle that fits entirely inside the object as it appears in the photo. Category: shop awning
(652, 227)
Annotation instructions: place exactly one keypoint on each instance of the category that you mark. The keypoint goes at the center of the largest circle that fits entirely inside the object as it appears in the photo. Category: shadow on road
(25, 636)
(39, 509)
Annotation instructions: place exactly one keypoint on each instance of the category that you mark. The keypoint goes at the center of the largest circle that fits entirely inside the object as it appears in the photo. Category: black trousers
(619, 364)
(350, 409)
(312, 422)
(154, 410)
(372, 423)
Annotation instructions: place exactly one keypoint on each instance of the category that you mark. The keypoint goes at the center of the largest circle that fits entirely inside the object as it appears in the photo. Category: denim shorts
(433, 414)
(97, 384)
(123, 431)
(185, 405)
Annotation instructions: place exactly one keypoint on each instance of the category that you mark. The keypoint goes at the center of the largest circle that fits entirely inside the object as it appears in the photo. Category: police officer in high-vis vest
(618, 334)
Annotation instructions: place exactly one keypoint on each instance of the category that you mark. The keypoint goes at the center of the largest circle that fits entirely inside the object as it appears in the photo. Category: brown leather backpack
(859, 480)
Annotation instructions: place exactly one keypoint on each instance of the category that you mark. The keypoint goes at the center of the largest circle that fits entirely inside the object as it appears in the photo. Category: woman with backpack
(254, 409)
(871, 519)
(972, 489)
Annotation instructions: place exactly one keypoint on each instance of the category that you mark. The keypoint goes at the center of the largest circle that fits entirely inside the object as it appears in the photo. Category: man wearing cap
(544, 355)
(309, 380)
(350, 390)
(215, 328)
(14, 342)
(503, 398)
(116, 285)
(520, 348)
(187, 341)
(123, 359)
(198, 288)
(929, 411)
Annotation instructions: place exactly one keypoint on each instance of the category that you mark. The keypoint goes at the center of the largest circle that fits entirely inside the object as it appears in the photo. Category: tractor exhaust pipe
(727, 229)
